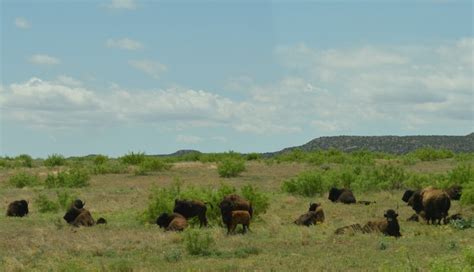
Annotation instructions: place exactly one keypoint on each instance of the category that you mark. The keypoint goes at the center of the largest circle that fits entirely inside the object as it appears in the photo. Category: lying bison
(191, 208)
(172, 222)
(239, 217)
(77, 215)
(341, 195)
(314, 215)
(232, 203)
(388, 226)
(18, 208)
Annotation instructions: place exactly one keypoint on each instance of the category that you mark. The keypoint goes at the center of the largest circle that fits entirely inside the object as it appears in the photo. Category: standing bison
(18, 208)
(191, 208)
(314, 215)
(239, 217)
(430, 203)
(172, 222)
(232, 203)
(341, 195)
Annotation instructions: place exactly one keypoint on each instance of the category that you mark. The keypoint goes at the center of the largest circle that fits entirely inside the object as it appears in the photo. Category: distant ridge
(387, 144)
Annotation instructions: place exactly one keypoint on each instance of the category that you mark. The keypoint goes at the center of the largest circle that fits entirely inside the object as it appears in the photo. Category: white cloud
(44, 59)
(151, 68)
(21, 22)
(122, 4)
(188, 139)
(125, 43)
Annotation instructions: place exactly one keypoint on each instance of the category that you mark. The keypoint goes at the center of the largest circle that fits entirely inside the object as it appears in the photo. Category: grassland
(44, 242)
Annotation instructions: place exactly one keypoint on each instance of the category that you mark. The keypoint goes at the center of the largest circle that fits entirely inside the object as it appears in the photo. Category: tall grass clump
(45, 205)
(133, 158)
(151, 165)
(308, 183)
(467, 196)
(73, 178)
(24, 179)
(100, 159)
(230, 167)
(55, 160)
(198, 242)
(461, 174)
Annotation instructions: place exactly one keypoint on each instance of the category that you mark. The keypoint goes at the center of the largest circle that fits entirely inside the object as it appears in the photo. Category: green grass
(44, 242)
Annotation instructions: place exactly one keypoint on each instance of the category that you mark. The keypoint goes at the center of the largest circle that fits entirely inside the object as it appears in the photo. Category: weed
(23, 179)
(74, 178)
(198, 242)
(55, 160)
(230, 167)
(305, 184)
(133, 158)
(45, 205)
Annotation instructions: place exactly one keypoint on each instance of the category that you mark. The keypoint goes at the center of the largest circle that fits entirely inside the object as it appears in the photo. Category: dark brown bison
(172, 222)
(83, 219)
(234, 203)
(341, 195)
(76, 207)
(191, 208)
(432, 204)
(314, 215)
(389, 226)
(239, 217)
(77, 215)
(18, 208)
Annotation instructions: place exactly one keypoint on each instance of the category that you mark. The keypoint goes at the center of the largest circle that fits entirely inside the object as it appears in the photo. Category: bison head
(417, 202)
(454, 192)
(407, 195)
(163, 220)
(71, 214)
(334, 194)
(313, 206)
(391, 215)
(78, 204)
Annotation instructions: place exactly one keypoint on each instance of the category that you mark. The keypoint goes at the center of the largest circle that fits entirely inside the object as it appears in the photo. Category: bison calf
(239, 217)
(314, 215)
(231, 203)
(18, 208)
(172, 222)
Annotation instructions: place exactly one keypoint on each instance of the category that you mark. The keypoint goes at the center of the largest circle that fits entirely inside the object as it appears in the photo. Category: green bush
(133, 158)
(260, 201)
(23, 179)
(306, 184)
(230, 167)
(74, 178)
(431, 154)
(387, 177)
(110, 167)
(45, 205)
(25, 160)
(253, 156)
(462, 174)
(100, 159)
(467, 196)
(198, 242)
(55, 160)
(151, 165)
(65, 199)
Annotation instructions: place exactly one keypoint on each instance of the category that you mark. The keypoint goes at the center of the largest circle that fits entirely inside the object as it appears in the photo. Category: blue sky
(157, 76)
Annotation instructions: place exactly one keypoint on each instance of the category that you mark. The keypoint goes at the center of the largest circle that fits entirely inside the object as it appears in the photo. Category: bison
(172, 222)
(77, 215)
(341, 195)
(101, 221)
(314, 215)
(454, 192)
(432, 204)
(231, 203)
(191, 208)
(239, 217)
(389, 226)
(18, 208)
(83, 219)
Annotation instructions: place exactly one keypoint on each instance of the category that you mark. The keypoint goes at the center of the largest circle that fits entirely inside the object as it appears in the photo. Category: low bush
(431, 154)
(260, 201)
(24, 179)
(253, 156)
(133, 158)
(73, 178)
(306, 184)
(100, 159)
(45, 205)
(462, 174)
(24, 160)
(110, 167)
(198, 242)
(55, 160)
(151, 165)
(467, 196)
(230, 167)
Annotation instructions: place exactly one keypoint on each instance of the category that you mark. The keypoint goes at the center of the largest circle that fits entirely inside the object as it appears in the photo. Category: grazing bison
(18, 208)
(389, 226)
(172, 222)
(234, 203)
(191, 208)
(239, 217)
(314, 215)
(432, 204)
(341, 195)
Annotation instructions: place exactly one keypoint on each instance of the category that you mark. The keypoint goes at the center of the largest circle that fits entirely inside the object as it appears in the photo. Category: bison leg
(202, 220)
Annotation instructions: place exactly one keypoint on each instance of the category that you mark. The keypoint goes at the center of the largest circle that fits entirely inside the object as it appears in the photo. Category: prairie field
(43, 241)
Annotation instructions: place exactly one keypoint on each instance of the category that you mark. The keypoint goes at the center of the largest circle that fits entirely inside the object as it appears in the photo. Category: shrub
(467, 196)
(387, 177)
(253, 156)
(431, 154)
(25, 160)
(230, 167)
(260, 201)
(198, 242)
(24, 179)
(64, 199)
(45, 205)
(55, 160)
(305, 184)
(74, 178)
(110, 167)
(133, 158)
(151, 164)
(462, 174)
(100, 159)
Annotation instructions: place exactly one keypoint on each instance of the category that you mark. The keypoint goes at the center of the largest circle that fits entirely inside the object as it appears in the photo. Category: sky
(110, 77)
